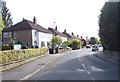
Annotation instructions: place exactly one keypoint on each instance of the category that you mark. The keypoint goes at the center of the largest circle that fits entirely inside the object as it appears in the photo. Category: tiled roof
(56, 32)
(26, 25)
(68, 35)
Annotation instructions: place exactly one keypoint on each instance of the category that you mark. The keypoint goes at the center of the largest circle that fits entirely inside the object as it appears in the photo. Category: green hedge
(9, 56)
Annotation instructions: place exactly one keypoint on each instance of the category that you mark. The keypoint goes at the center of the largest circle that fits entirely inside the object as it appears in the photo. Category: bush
(9, 56)
(5, 47)
(75, 44)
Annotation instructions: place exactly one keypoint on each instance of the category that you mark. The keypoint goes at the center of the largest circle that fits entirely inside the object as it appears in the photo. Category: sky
(77, 16)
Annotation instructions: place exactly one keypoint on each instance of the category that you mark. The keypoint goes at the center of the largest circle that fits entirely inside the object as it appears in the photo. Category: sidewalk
(27, 70)
(108, 56)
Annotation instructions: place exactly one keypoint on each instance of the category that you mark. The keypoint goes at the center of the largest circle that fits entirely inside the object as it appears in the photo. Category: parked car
(95, 48)
(88, 46)
(61, 47)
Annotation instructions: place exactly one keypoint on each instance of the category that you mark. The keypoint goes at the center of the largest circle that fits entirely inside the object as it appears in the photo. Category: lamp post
(54, 37)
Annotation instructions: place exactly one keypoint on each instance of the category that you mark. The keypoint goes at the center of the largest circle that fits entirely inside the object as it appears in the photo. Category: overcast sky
(77, 16)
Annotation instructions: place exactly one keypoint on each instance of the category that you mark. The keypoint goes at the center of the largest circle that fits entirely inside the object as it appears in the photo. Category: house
(28, 33)
(69, 37)
(56, 32)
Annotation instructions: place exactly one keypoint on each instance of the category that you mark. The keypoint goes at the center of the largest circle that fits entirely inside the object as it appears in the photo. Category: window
(42, 35)
(35, 33)
(10, 34)
(14, 35)
(5, 34)
(42, 44)
(48, 44)
(35, 42)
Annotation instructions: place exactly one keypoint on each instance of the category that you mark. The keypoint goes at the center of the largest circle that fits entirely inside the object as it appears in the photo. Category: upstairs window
(35, 33)
(10, 34)
(5, 34)
(14, 35)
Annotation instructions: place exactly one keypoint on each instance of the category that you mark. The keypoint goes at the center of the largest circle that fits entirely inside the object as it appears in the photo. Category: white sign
(17, 47)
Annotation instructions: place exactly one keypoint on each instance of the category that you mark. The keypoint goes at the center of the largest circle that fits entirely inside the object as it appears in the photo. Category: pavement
(29, 69)
(108, 56)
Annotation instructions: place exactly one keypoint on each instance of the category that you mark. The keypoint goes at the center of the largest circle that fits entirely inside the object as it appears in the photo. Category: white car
(95, 48)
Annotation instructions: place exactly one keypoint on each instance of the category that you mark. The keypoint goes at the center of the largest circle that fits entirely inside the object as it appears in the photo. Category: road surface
(79, 65)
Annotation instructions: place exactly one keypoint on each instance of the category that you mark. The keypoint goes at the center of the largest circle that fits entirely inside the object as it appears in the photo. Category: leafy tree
(6, 15)
(1, 27)
(108, 26)
(93, 40)
(11, 43)
(76, 43)
(67, 43)
(56, 40)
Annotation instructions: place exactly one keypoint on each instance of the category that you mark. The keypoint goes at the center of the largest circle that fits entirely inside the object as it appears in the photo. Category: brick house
(28, 33)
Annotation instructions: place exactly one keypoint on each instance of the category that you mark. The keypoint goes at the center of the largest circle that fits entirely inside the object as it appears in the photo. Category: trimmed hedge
(10, 56)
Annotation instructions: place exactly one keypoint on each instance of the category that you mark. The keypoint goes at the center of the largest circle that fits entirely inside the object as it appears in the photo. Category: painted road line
(79, 58)
(84, 66)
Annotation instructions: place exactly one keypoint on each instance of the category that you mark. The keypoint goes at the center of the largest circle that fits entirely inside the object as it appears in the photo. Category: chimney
(72, 33)
(78, 36)
(65, 31)
(56, 28)
(23, 18)
(34, 20)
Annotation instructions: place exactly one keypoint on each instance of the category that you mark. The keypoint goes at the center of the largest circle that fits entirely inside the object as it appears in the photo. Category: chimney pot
(65, 30)
(56, 28)
(72, 33)
(77, 35)
(34, 20)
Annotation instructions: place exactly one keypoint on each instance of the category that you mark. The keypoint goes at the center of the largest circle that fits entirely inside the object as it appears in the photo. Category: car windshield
(94, 46)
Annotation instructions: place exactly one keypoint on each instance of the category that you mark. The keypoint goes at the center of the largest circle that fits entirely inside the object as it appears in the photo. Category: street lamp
(54, 37)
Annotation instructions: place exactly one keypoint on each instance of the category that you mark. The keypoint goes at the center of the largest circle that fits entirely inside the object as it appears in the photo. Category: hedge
(10, 56)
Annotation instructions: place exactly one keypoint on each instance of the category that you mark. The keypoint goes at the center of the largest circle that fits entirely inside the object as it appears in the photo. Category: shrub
(75, 44)
(5, 47)
(9, 56)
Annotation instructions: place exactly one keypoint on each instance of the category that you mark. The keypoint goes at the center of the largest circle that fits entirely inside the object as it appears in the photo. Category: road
(79, 65)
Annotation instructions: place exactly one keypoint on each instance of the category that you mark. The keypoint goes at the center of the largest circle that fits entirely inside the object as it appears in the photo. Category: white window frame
(10, 34)
(14, 35)
(5, 34)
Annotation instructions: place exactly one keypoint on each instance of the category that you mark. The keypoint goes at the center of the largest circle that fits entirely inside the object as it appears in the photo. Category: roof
(56, 32)
(68, 35)
(26, 25)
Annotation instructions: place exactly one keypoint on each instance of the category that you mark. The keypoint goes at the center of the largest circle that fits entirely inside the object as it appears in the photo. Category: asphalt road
(79, 65)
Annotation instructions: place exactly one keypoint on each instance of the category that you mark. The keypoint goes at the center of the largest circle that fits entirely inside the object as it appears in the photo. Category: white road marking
(79, 58)
(92, 78)
(88, 72)
(84, 66)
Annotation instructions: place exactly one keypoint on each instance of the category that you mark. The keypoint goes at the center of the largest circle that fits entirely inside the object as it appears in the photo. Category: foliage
(5, 47)
(76, 44)
(93, 40)
(67, 43)
(10, 43)
(108, 25)
(6, 15)
(56, 40)
(1, 27)
(9, 56)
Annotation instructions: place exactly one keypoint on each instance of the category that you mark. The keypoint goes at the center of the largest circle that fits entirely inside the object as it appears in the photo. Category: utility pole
(54, 37)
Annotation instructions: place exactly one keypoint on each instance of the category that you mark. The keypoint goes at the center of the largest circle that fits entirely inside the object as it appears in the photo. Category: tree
(76, 44)
(1, 27)
(108, 26)
(93, 40)
(67, 43)
(56, 40)
(6, 16)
